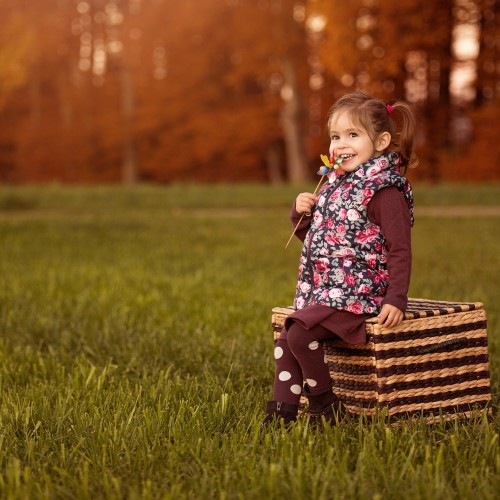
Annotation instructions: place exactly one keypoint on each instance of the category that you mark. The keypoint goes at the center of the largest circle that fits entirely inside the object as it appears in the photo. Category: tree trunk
(292, 119)
(129, 160)
(438, 112)
(487, 79)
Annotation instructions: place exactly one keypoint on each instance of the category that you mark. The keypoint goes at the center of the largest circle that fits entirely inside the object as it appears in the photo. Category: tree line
(237, 90)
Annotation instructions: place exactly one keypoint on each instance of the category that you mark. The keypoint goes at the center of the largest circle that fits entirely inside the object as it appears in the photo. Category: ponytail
(403, 133)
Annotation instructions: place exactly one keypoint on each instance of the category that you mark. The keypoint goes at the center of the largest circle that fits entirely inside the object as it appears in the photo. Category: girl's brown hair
(376, 117)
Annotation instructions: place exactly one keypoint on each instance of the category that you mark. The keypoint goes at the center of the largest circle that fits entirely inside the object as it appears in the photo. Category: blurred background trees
(237, 90)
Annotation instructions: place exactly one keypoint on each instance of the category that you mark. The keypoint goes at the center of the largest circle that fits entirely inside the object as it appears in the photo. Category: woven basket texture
(434, 364)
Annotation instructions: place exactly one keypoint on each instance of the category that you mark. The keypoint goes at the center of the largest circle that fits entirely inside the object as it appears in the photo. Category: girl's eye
(353, 134)
(335, 138)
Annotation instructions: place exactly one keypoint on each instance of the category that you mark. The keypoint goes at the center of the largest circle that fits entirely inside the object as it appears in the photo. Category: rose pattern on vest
(343, 260)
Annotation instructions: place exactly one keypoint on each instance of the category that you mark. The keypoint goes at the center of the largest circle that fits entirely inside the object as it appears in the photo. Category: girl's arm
(388, 209)
(304, 223)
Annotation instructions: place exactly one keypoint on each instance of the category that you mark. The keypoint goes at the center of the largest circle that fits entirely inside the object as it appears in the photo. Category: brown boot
(277, 410)
(325, 405)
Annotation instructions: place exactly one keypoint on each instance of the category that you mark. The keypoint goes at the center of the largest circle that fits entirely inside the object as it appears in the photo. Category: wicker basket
(434, 364)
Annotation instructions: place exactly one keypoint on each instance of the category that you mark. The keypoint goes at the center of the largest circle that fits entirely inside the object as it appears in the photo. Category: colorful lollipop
(324, 170)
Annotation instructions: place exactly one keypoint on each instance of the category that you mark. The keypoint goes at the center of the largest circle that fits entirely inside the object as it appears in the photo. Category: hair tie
(389, 108)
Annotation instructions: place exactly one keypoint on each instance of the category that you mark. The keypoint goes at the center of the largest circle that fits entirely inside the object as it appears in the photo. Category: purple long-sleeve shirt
(387, 209)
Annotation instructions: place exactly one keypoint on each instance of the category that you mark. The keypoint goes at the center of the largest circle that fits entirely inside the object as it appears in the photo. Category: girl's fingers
(305, 202)
(390, 316)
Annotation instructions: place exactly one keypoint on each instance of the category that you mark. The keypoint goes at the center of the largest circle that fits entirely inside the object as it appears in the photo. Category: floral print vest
(343, 260)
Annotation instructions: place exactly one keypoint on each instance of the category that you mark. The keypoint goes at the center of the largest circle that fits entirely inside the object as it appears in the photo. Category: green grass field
(136, 350)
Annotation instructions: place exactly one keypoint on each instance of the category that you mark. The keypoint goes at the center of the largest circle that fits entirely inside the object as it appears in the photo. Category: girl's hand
(390, 316)
(305, 202)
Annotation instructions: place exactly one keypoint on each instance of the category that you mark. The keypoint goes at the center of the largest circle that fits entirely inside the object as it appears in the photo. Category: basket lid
(417, 308)
(424, 308)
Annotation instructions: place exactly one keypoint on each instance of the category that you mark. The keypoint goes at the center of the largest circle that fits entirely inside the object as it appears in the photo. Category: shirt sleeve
(304, 223)
(388, 209)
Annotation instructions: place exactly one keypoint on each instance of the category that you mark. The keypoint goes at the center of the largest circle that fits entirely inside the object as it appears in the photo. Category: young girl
(356, 256)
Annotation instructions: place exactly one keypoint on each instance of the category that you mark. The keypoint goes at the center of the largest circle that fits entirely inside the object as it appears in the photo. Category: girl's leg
(288, 378)
(306, 347)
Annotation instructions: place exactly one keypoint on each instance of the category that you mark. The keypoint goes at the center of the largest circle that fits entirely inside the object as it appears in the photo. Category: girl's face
(351, 142)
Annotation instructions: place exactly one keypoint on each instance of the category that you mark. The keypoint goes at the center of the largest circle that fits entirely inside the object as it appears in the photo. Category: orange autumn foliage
(228, 90)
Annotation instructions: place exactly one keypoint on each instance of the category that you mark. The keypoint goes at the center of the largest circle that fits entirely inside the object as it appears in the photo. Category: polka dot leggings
(301, 357)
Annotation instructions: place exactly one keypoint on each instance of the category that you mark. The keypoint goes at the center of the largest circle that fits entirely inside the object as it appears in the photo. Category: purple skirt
(348, 326)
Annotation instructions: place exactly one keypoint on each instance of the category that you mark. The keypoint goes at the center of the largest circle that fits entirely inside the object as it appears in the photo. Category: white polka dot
(285, 376)
(311, 382)
(296, 389)
(313, 345)
(278, 352)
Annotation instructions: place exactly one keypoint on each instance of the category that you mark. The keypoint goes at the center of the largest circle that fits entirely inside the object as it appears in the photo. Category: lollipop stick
(300, 220)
